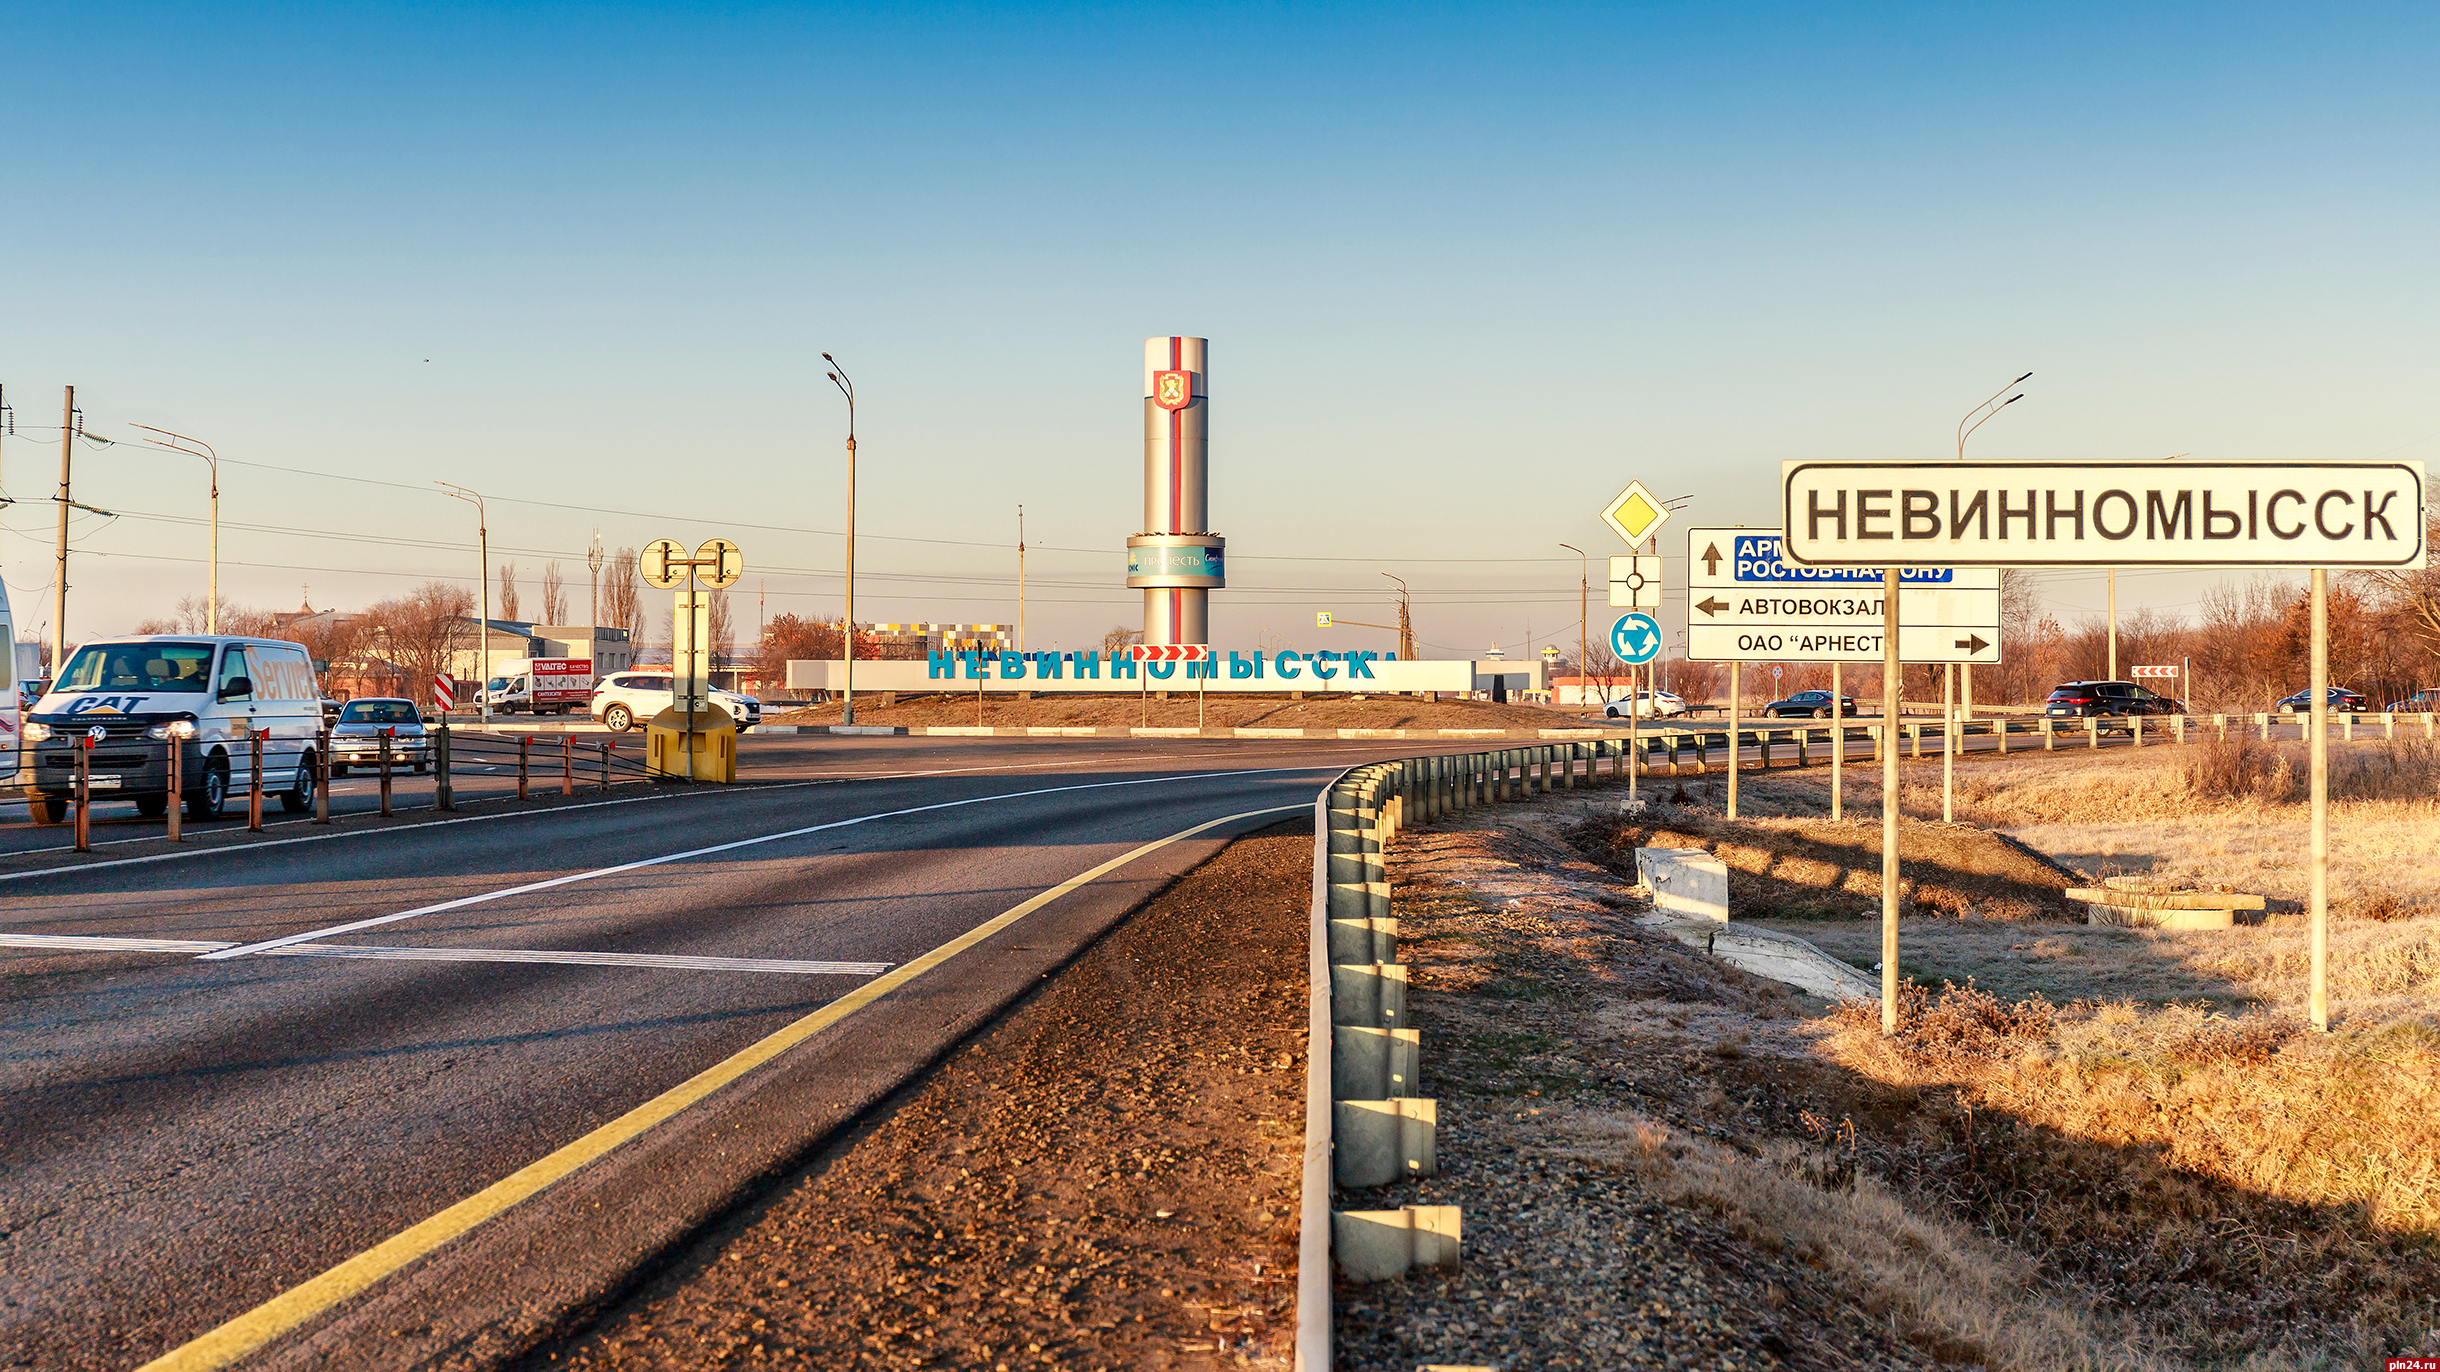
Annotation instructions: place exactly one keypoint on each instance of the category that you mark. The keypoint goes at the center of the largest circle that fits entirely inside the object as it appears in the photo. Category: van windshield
(137, 667)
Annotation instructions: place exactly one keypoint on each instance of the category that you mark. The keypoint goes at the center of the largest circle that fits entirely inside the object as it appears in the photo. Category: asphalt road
(189, 1135)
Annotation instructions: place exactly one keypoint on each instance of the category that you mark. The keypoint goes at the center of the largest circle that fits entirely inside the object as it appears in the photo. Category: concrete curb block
(1688, 883)
(1376, 1142)
(1783, 958)
(1375, 1245)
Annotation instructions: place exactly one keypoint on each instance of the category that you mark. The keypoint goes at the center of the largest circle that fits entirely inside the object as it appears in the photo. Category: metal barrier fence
(1365, 1124)
(181, 781)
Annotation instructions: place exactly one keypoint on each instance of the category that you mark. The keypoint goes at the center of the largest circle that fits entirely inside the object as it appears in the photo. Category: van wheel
(297, 799)
(207, 800)
(618, 719)
(152, 807)
(48, 809)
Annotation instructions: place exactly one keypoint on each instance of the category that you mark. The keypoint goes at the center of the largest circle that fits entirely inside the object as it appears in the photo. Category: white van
(201, 693)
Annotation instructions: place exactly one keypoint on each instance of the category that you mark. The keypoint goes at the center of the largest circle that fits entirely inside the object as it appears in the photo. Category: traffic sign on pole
(655, 566)
(718, 564)
(2154, 673)
(2103, 514)
(1322, 619)
(1170, 652)
(1635, 513)
(1635, 582)
(1745, 602)
(444, 691)
(1636, 638)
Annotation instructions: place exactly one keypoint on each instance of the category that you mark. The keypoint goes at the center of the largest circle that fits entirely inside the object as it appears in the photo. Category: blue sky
(1465, 272)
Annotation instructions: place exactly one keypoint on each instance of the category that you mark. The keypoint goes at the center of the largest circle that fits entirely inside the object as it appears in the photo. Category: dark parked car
(1808, 705)
(30, 691)
(2426, 701)
(2107, 699)
(2340, 699)
(355, 741)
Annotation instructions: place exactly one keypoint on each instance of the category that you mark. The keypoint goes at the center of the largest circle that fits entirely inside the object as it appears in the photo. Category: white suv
(629, 700)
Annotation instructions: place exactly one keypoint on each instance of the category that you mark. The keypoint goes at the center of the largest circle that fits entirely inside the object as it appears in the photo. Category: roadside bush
(2244, 768)
(1965, 1023)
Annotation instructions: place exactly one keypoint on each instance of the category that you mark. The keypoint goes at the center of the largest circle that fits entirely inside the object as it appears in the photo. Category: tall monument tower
(1176, 560)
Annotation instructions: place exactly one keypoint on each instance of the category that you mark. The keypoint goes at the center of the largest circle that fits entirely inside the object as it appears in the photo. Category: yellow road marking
(292, 1308)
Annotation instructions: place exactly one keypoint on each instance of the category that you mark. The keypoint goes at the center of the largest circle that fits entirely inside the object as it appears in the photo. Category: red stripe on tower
(1177, 442)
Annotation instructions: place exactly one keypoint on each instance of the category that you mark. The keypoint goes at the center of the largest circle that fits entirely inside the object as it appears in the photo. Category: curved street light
(1584, 589)
(211, 604)
(847, 637)
(482, 625)
(1964, 432)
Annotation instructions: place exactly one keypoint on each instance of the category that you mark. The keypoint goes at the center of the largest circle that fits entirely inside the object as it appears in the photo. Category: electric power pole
(59, 575)
(1020, 578)
(593, 564)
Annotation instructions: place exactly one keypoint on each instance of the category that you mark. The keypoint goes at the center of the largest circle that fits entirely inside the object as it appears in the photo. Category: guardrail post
(525, 754)
(607, 745)
(2050, 735)
(176, 769)
(2092, 732)
(321, 788)
(254, 780)
(2265, 721)
(1999, 727)
(84, 796)
(2179, 723)
(388, 731)
(2346, 721)
(2135, 725)
(1917, 729)
(443, 796)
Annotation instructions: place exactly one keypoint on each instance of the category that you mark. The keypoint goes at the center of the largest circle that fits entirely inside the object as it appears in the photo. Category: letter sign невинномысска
(2103, 514)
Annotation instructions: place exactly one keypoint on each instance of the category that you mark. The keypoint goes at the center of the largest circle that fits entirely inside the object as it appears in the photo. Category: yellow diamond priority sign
(1635, 513)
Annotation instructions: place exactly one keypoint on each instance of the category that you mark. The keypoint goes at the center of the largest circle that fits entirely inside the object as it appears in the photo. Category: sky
(1465, 271)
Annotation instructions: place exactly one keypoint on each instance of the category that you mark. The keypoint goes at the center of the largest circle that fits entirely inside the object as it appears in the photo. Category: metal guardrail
(1365, 1125)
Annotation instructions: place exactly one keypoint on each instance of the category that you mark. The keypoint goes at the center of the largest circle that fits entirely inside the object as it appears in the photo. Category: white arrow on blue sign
(1636, 638)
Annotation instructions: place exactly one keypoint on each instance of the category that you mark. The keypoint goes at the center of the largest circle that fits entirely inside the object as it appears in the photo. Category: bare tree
(508, 590)
(554, 594)
(724, 631)
(621, 601)
(1120, 636)
(410, 636)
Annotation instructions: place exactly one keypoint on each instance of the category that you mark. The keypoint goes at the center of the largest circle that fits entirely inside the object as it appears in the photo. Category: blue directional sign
(1636, 638)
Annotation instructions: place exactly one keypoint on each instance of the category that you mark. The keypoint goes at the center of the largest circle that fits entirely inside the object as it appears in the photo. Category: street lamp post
(482, 625)
(1584, 589)
(847, 637)
(211, 604)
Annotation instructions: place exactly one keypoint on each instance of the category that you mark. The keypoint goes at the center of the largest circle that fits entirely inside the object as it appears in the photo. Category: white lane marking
(267, 945)
(79, 943)
(826, 779)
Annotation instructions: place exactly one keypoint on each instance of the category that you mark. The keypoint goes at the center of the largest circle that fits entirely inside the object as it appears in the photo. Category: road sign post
(1636, 639)
(716, 566)
(2316, 515)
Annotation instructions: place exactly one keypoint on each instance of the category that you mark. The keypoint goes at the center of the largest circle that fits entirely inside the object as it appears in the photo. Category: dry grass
(2379, 971)
(2166, 811)
(2173, 1149)
(2104, 1147)
(1954, 1291)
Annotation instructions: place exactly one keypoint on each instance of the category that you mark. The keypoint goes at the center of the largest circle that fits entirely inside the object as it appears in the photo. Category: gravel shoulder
(1107, 1176)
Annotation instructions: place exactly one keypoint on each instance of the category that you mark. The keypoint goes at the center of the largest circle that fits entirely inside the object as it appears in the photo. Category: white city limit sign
(1745, 601)
(2104, 514)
